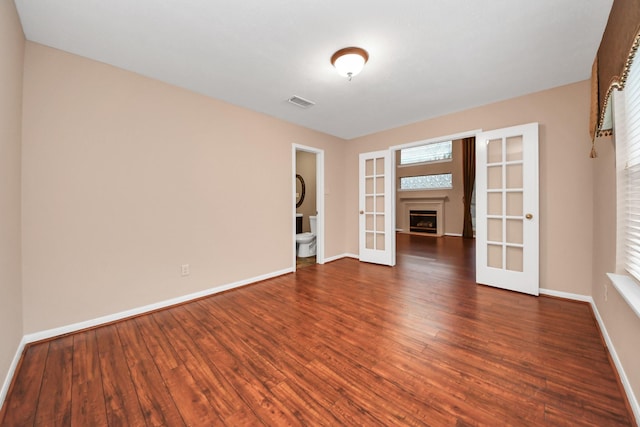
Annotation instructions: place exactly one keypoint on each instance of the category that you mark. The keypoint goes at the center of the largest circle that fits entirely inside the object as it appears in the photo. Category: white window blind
(426, 153)
(627, 131)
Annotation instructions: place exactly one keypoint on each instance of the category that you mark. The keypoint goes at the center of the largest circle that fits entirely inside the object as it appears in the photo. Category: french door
(507, 214)
(376, 227)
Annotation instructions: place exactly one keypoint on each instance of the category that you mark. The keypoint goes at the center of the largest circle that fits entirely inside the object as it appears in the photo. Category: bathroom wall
(12, 45)
(126, 178)
(453, 205)
(306, 167)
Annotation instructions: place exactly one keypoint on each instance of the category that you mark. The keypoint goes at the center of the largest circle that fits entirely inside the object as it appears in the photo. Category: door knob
(361, 212)
(529, 216)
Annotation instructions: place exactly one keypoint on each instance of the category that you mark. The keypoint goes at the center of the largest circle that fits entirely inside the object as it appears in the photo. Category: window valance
(611, 65)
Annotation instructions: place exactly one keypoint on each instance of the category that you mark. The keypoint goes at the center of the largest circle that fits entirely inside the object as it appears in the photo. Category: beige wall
(126, 178)
(306, 167)
(12, 53)
(565, 173)
(453, 205)
(622, 324)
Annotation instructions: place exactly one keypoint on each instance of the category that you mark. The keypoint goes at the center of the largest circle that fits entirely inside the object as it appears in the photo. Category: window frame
(627, 139)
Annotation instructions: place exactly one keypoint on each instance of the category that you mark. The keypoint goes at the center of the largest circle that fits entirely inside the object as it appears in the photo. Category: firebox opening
(423, 221)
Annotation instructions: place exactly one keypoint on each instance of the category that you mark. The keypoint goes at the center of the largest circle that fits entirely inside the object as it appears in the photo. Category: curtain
(469, 179)
(611, 65)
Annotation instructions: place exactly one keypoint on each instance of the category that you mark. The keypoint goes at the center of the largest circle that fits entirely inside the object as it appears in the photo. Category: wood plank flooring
(345, 343)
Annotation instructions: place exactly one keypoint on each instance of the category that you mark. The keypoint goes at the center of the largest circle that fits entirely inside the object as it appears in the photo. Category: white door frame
(319, 200)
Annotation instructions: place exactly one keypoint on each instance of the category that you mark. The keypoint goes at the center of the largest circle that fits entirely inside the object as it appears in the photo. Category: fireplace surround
(425, 204)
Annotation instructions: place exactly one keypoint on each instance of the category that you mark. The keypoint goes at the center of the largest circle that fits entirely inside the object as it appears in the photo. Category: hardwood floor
(345, 343)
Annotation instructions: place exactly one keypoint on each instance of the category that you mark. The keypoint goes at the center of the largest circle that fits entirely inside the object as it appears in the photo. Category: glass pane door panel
(514, 259)
(514, 148)
(514, 203)
(514, 176)
(380, 166)
(380, 185)
(380, 222)
(494, 177)
(380, 204)
(494, 256)
(368, 187)
(368, 167)
(494, 230)
(368, 204)
(369, 225)
(494, 203)
(380, 241)
(369, 240)
(494, 151)
(515, 231)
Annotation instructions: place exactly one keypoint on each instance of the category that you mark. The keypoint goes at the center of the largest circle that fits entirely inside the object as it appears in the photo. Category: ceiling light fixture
(349, 61)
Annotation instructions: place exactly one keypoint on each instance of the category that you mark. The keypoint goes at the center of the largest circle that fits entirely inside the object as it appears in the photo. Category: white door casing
(507, 213)
(376, 226)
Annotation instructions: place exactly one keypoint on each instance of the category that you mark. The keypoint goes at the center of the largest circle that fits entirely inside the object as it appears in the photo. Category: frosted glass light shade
(349, 61)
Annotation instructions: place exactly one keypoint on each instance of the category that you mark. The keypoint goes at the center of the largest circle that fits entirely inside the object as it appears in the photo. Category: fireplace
(422, 221)
(433, 203)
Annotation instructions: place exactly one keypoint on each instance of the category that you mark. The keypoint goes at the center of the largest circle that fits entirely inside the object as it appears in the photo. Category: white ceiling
(427, 57)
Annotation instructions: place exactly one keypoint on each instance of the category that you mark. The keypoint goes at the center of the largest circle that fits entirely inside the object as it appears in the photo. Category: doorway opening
(308, 238)
(429, 177)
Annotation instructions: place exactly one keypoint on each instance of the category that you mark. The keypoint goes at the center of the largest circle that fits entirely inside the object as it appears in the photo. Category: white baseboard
(12, 370)
(566, 295)
(453, 234)
(337, 257)
(633, 401)
(50, 333)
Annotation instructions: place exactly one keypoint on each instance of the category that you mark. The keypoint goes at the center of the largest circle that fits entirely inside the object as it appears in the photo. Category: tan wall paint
(12, 45)
(126, 178)
(306, 167)
(566, 218)
(453, 205)
(622, 324)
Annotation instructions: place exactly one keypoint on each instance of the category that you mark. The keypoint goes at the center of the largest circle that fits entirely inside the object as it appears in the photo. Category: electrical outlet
(606, 292)
(185, 269)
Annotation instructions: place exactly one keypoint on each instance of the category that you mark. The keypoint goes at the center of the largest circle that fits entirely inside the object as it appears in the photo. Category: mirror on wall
(300, 190)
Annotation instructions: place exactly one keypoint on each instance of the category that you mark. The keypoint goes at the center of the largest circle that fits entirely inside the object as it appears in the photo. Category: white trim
(628, 289)
(566, 295)
(75, 327)
(453, 137)
(453, 234)
(633, 401)
(337, 257)
(12, 370)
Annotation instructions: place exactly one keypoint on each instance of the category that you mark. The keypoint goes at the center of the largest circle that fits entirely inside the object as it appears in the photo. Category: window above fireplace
(441, 181)
(427, 153)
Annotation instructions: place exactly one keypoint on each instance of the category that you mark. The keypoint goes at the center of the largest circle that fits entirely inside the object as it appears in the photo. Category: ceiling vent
(301, 102)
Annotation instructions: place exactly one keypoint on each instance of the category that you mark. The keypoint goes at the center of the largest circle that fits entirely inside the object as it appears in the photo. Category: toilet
(306, 242)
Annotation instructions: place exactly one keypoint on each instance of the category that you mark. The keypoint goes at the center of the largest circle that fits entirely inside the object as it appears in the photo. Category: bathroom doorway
(308, 206)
